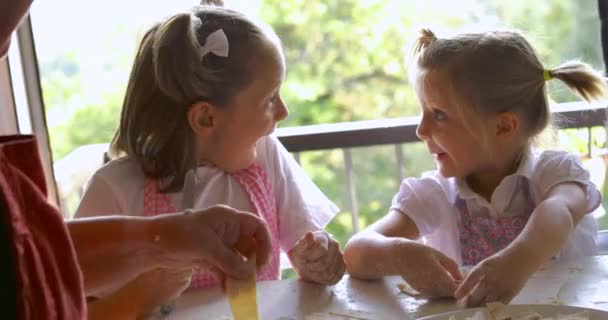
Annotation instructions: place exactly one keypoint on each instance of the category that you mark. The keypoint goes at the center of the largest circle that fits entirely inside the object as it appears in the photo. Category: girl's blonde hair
(169, 75)
(499, 71)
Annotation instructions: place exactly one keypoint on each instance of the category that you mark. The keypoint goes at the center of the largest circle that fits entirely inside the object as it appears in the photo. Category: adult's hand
(217, 238)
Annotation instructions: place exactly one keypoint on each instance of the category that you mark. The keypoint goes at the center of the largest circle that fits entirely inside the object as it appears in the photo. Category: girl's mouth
(440, 156)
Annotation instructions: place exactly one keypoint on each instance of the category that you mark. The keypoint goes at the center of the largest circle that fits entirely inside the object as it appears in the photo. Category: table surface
(580, 283)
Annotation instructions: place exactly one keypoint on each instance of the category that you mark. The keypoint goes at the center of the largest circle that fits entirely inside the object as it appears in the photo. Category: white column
(8, 116)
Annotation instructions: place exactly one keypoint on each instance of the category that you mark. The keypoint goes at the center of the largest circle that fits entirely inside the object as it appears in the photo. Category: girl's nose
(422, 130)
(281, 111)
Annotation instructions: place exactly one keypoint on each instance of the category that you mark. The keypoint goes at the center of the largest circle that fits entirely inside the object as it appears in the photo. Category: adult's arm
(11, 13)
(112, 250)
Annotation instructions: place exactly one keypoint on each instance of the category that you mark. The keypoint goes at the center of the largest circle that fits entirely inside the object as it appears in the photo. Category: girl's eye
(271, 101)
(439, 115)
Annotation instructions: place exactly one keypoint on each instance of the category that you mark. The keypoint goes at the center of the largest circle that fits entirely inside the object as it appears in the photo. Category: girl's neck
(484, 183)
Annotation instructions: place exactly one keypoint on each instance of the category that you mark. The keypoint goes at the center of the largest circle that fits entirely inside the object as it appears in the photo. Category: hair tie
(216, 43)
(547, 75)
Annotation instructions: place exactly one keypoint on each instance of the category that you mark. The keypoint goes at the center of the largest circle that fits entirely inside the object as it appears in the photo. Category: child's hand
(317, 258)
(498, 278)
(427, 270)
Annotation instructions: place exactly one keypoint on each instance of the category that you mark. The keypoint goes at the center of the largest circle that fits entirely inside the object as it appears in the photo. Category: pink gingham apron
(261, 196)
(482, 235)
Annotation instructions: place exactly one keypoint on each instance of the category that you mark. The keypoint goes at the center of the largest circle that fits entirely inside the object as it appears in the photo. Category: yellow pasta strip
(242, 296)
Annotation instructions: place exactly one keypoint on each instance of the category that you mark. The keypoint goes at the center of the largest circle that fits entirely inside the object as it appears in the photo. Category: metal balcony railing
(397, 132)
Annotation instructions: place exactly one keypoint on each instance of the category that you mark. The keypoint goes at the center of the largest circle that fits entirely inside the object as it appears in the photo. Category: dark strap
(603, 12)
(8, 289)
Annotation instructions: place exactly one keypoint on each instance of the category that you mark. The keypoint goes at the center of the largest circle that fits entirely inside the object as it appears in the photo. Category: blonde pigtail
(581, 78)
(424, 40)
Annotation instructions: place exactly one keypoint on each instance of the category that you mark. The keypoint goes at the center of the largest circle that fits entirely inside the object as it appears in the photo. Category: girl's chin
(446, 172)
(248, 160)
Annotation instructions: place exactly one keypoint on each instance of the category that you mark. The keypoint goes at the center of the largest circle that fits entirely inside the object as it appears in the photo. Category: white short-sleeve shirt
(118, 188)
(430, 201)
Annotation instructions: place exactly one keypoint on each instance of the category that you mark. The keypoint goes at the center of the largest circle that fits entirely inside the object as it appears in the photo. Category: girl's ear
(507, 124)
(201, 117)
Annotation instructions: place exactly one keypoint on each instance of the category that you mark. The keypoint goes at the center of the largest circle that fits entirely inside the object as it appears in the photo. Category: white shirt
(430, 201)
(118, 188)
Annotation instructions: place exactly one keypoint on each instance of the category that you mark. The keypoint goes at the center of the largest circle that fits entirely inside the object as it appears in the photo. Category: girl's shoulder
(268, 145)
(551, 167)
(272, 155)
(122, 170)
(549, 154)
(555, 162)
(430, 184)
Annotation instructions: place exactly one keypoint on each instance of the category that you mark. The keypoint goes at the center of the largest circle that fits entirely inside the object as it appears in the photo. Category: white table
(580, 283)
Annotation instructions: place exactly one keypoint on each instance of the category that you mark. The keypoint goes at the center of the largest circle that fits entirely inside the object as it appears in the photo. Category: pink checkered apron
(482, 235)
(259, 190)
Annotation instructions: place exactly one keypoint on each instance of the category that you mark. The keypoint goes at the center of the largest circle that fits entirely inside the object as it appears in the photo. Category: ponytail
(581, 78)
(424, 40)
(176, 55)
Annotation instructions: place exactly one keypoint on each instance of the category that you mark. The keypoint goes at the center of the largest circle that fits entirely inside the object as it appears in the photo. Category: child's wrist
(399, 254)
(524, 255)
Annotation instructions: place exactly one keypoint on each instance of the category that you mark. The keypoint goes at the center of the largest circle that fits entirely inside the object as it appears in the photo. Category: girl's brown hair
(169, 75)
(499, 71)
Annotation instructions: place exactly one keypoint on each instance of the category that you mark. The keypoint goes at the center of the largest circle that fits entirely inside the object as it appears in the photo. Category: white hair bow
(216, 43)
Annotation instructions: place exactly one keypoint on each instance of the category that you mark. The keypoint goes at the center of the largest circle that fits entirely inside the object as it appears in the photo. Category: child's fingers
(320, 251)
(331, 266)
(469, 282)
(319, 266)
(307, 241)
(314, 253)
(337, 260)
(322, 238)
(477, 296)
(491, 296)
(451, 267)
(317, 249)
(338, 269)
(445, 284)
(326, 262)
(304, 243)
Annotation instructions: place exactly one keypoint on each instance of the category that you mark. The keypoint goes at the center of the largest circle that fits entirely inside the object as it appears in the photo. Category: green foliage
(345, 61)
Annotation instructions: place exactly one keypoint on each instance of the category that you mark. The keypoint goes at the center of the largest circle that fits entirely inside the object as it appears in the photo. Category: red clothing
(48, 279)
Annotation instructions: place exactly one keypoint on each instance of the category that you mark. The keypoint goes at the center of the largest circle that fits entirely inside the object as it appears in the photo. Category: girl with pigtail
(494, 203)
(195, 131)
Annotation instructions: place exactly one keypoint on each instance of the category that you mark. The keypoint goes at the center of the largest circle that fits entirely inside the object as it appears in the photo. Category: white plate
(546, 310)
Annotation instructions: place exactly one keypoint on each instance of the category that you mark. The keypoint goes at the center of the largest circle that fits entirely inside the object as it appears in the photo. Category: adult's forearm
(112, 250)
(116, 306)
(11, 13)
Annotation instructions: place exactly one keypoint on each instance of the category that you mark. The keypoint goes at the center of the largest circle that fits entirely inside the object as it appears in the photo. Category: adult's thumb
(229, 262)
